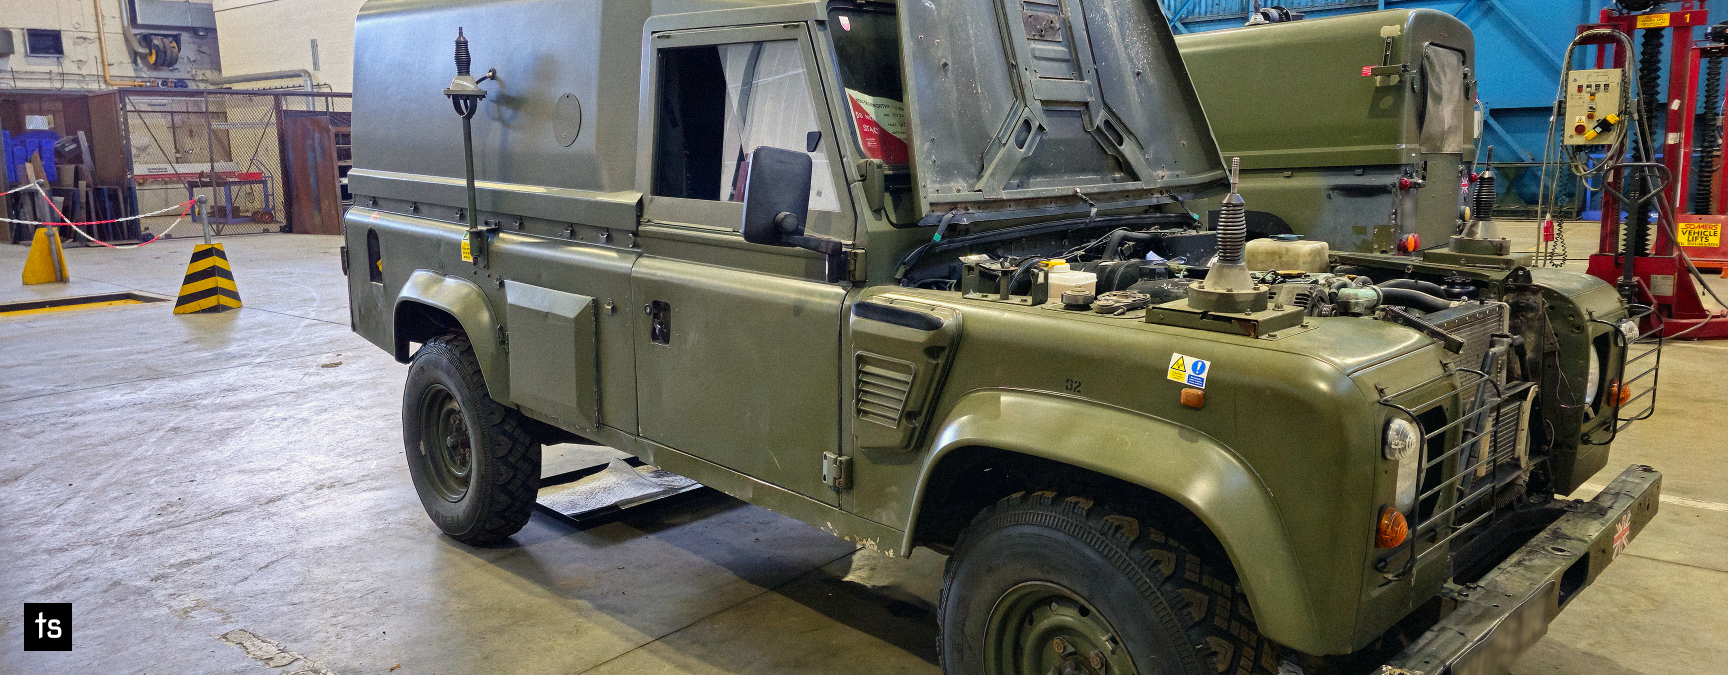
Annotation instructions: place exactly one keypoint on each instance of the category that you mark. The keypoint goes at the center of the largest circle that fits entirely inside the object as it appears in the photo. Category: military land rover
(934, 274)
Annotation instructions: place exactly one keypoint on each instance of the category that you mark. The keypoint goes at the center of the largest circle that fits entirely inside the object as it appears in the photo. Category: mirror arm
(822, 245)
(832, 249)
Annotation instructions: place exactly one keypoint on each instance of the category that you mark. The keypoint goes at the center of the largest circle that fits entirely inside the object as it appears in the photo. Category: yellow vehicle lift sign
(1189, 370)
(1704, 235)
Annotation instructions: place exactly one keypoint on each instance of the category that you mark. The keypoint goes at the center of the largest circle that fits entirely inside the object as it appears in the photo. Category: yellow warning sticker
(1189, 370)
(1653, 20)
(1705, 235)
(467, 253)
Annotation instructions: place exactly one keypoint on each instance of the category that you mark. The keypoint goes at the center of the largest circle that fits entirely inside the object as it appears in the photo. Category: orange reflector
(1193, 398)
(1392, 529)
(1618, 395)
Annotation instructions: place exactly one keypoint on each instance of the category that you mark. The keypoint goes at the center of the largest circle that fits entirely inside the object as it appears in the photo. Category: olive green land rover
(934, 274)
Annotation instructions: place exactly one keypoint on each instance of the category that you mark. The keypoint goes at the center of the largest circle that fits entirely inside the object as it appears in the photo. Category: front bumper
(1509, 608)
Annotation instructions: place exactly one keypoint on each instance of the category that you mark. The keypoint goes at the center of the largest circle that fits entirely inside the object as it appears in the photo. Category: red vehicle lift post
(1663, 278)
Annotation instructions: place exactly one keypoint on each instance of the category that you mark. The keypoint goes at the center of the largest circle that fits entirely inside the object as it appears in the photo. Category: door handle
(659, 322)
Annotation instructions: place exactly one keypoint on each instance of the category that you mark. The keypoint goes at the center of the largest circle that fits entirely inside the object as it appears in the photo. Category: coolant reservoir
(1061, 280)
(1287, 252)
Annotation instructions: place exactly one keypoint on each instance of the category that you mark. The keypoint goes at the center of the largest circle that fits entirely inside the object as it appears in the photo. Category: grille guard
(1477, 427)
(1651, 341)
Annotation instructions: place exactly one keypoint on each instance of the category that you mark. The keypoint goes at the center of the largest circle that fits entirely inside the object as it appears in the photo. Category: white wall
(264, 35)
(81, 67)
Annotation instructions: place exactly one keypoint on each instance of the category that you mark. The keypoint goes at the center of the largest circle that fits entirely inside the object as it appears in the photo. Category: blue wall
(1519, 45)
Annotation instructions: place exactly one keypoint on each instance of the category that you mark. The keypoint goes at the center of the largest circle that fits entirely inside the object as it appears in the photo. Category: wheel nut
(1060, 645)
(1097, 660)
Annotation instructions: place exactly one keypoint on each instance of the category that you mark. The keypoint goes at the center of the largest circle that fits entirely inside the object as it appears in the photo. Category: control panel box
(1593, 115)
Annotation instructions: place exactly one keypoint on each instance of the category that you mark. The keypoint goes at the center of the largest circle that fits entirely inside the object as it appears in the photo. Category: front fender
(465, 301)
(1176, 461)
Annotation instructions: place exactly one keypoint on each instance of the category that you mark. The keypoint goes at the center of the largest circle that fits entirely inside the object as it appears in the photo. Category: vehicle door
(738, 360)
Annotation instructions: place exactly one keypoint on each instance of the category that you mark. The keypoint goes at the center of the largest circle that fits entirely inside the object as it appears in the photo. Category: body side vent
(883, 385)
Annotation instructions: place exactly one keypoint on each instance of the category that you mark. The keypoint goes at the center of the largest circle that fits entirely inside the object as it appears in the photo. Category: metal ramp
(589, 485)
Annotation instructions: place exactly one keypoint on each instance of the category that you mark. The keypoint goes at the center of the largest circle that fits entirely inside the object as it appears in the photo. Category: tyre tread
(516, 453)
(1213, 613)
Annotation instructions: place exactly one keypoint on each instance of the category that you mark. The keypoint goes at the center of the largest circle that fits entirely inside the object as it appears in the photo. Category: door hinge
(855, 265)
(836, 471)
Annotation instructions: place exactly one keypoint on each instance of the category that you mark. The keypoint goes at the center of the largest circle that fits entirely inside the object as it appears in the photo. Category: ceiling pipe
(102, 45)
(304, 75)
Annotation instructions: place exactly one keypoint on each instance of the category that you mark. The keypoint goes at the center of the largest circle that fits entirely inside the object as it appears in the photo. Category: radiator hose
(1404, 297)
(1415, 285)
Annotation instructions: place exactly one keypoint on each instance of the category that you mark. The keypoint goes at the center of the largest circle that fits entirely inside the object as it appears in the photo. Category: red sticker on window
(881, 127)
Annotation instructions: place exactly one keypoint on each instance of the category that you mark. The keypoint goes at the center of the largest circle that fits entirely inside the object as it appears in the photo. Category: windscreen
(867, 52)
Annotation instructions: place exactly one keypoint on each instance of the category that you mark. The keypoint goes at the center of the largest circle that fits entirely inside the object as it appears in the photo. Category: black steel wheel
(446, 444)
(1041, 584)
(474, 463)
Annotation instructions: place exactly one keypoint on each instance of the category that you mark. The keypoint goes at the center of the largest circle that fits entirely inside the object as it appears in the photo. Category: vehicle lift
(1660, 275)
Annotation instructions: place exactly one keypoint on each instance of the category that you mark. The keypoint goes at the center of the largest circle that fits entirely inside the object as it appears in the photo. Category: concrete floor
(226, 494)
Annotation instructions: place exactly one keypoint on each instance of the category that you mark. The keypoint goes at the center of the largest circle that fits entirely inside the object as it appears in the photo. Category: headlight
(1403, 443)
(1403, 438)
(1629, 328)
(1408, 470)
(1593, 377)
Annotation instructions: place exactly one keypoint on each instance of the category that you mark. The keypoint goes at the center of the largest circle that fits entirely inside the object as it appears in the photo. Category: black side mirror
(776, 196)
(777, 203)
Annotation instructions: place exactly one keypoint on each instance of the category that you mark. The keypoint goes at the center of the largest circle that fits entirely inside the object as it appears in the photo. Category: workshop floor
(225, 493)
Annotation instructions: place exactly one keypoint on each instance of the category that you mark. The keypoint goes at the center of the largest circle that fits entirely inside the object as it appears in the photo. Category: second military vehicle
(925, 275)
(1357, 130)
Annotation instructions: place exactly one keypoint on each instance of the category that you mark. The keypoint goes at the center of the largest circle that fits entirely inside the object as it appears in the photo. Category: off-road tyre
(1171, 612)
(493, 497)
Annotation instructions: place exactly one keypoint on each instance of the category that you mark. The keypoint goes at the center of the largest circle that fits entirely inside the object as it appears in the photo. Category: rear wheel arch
(1129, 456)
(432, 304)
(420, 322)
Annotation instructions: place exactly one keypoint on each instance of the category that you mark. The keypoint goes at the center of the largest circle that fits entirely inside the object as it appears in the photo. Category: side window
(717, 103)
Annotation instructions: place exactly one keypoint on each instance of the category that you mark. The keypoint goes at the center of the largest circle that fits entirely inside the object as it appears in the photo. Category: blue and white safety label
(1189, 370)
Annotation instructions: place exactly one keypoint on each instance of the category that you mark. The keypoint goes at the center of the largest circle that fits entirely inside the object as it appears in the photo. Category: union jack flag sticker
(1623, 534)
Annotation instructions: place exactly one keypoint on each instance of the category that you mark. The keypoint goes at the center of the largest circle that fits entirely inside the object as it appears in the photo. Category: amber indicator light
(1392, 529)
(1618, 395)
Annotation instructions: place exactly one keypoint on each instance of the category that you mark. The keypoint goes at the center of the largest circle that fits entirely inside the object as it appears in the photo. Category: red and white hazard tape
(184, 207)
